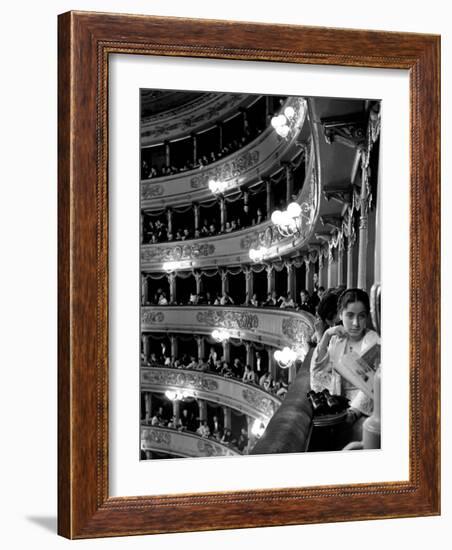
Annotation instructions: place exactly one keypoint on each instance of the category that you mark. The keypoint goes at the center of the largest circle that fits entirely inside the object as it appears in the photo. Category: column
(322, 281)
(176, 411)
(142, 227)
(244, 119)
(331, 281)
(198, 281)
(146, 345)
(226, 350)
(268, 190)
(202, 410)
(224, 282)
(147, 406)
(249, 280)
(308, 278)
(220, 136)
(194, 142)
(201, 347)
(222, 213)
(340, 261)
(249, 354)
(196, 215)
(227, 415)
(289, 181)
(167, 154)
(174, 347)
(290, 280)
(169, 219)
(363, 224)
(272, 363)
(270, 279)
(246, 197)
(292, 373)
(268, 109)
(144, 289)
(172, 287)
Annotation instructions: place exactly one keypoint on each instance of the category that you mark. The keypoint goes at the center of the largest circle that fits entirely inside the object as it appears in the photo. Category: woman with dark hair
(353, 335)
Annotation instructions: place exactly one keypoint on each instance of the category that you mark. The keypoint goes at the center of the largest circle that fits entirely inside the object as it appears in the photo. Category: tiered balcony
(181, 444)
(274, 327)
(229, 392)
(233, 248)
(244, 166)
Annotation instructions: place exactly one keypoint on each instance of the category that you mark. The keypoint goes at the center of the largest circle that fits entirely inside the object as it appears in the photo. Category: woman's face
(354, 319)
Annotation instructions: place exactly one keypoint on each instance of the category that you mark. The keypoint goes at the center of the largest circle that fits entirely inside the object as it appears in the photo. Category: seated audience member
(203, 429)
(227, 437)
(212, 230)
(326, 313)
(227, 227)
(266, 381)
(280, 389)
(237, 368)
(204, 229)
(249, 376)
(304, 302)
(242, 441)
(353, 335)
(254, 301)
(286, 301)
(162, 300)
(226, 300)
(272, 300)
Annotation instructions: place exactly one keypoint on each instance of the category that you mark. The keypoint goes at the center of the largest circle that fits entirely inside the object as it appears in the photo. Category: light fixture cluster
(288, 222)
(258, 428)
(285, 357)
(281, 122)
(258, 254)
(218, 187)
(220, 335)
(178, 395)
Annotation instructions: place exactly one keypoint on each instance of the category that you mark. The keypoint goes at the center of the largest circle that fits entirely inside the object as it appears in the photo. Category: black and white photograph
(260, 274)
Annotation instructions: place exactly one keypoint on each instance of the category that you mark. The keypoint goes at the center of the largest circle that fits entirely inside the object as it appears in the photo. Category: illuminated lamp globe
(277, 217)
(283, 131)
(294, 210)
(289, 112)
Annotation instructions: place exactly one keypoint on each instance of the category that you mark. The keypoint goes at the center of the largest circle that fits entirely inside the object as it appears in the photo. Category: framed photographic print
(248, 275)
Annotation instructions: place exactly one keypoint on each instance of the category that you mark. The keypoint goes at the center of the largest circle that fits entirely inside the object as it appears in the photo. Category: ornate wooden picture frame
(86, 40)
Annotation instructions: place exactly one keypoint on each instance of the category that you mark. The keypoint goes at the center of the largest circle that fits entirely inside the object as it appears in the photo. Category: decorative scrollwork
(260, 402)
(228, 319)
(151, 437)
(227, 170)
(151, 317)
(187, 380)
(152, 253)
(297, 330)
(151, 190)
(209, 448)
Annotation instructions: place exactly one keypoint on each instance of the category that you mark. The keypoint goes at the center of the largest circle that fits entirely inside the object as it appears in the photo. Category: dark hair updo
(352, 295)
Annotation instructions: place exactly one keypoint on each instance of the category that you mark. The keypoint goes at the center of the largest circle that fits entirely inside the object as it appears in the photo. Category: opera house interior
(259, 259)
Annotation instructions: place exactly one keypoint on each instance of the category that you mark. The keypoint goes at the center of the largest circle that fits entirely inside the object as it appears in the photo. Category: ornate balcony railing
(246, 398)
(246, 165)
(192, 117)
(275, 327)
(233, 248)
(181, 444)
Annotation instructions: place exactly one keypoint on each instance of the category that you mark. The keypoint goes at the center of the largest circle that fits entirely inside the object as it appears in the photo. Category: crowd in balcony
(235, 369)
(204, 148)
(208, 429)
(306, 302)
(155, 232)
